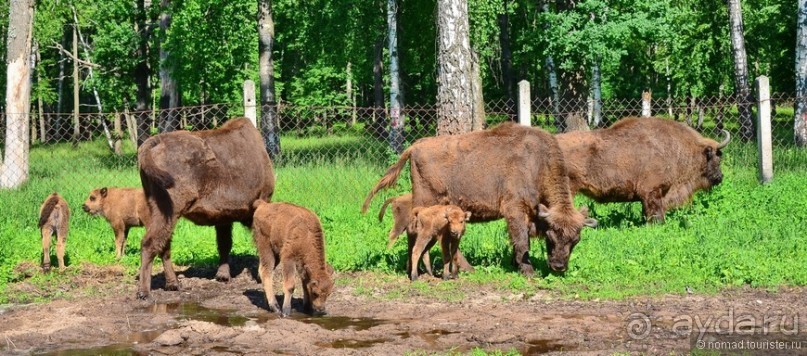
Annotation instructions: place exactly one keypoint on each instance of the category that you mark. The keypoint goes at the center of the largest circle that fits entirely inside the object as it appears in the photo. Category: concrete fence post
(647, 105)
(524, 103)
(250, 109)
(764, 143)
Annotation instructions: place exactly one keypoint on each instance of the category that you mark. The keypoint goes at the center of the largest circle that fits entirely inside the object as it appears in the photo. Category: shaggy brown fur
(506, 172)
(659, 162)
(209, 177)
(402, 214)
(291, 236)
(443, 223)
(54, 217)
(123, 208)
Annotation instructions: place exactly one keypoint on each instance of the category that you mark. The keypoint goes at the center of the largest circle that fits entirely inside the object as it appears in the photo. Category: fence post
(647, 97)
(524, 103)
(250, 111)
(764, 130)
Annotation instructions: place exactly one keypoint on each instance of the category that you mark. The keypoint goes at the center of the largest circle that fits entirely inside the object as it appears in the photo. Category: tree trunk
(351, 96)
(76, 88)
(169, 87)
(142, 72)
(574, 103)
(269, 120)
(507, 55)
(60, 89)
(376, 127)
(800, 127)
(479, 100)
(14, 168)
(741, 88)
(596, 93)
(454, 85)
(395, 136)
(554, 93)
(40, 105)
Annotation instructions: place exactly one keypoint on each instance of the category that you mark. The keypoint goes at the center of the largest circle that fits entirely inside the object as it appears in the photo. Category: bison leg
(120, 240)
(224, 240)
(653, 206)
(427, 263)
(61, 239)
(46, 233)
(171, 281)
(518, 227)
(288, 286)
(462, 263)
(445, 246)
(418, 250)
(158, 234)
(266, 266)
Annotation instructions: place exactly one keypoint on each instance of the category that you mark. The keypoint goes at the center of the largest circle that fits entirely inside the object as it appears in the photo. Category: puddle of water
(535, 347)
(350, 343)
(340, 322)
(432, 336)
(139, 337)
(194, 311)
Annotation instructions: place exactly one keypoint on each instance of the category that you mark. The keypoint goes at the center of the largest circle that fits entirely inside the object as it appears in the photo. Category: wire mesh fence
(101, 147)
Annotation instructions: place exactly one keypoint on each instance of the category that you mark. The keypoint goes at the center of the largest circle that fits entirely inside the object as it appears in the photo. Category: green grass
(741, 233)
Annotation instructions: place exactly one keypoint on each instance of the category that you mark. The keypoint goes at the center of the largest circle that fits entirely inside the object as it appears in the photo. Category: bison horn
(725, 141)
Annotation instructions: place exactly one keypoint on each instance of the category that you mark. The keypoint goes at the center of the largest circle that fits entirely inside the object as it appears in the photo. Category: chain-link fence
(101, 148)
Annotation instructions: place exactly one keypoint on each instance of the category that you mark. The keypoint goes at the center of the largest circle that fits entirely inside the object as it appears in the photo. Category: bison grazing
(444, 223)
(511, 171)
(123, 208)
(54, 217)
(659, 162)
(291, 236)
(209, 177)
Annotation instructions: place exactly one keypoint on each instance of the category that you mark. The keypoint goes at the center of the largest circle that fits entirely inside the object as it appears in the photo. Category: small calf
(122, 208)
(402, 214)
(54, 217)
(445, 223)
(291, 236)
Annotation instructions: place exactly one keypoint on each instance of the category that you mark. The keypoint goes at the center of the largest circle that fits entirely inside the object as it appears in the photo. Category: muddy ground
(370, 314)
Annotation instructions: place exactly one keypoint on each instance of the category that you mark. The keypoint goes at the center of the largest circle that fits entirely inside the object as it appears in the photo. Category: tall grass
(740, 233)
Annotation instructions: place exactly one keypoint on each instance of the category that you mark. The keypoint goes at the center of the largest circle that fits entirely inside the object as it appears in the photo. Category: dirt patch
(209, 317)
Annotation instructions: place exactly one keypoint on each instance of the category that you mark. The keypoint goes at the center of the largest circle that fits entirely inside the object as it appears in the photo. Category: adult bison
(209, 177)
(659, 162)
(511, 171)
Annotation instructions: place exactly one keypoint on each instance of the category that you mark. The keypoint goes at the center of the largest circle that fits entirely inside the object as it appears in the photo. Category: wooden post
(524, 103)
(764, 130)
(250, 110)
(647, 97)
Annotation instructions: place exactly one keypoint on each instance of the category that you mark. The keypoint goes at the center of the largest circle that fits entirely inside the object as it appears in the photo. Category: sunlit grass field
(741, 233)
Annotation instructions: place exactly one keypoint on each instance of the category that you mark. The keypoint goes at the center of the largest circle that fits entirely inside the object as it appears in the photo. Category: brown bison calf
(444, 223)
(659, 162)
(291, 236)
(209, 177)
(54, 217)
(123, 208)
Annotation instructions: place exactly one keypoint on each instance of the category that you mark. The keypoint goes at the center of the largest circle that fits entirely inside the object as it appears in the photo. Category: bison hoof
(221, 277)
(142, 295)
(413, 277)
(527, 270)
(46, 269)
(172, 287)
(286, 312)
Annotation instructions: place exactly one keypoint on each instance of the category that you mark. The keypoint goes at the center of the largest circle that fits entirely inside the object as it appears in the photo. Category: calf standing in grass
(445, 223)
(291, 236)
(54, 217)
(122, 208)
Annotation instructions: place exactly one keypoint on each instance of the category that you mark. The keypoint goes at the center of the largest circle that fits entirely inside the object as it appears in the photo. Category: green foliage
(738, 234)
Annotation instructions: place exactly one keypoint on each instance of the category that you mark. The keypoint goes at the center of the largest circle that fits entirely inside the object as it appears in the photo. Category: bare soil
(98, 313)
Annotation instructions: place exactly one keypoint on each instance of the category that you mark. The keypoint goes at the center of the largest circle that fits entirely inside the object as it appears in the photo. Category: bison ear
(329, 269)
(584, 211)
(543, 211)
(590, 222)
(415, 211)
(103, 192)
(467, 215)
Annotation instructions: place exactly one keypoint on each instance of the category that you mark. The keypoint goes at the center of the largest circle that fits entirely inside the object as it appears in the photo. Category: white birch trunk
(454, 85)
(800, 127)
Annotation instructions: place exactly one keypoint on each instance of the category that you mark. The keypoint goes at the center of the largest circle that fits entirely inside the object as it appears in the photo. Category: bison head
(318, 291)
(94, 203)
(713, 155)
(456, 220)
(562, 230)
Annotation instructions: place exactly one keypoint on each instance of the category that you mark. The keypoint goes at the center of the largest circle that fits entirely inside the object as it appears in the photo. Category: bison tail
(147, 166)
(389, 178)
(47, 209)
(384, 208)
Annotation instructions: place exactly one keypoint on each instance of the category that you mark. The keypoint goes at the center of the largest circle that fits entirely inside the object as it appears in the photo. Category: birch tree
(395, 136)
(266, 39)
(454, 84)
(169, 87)
(800, 129)
(741, 89)
(14, 168)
